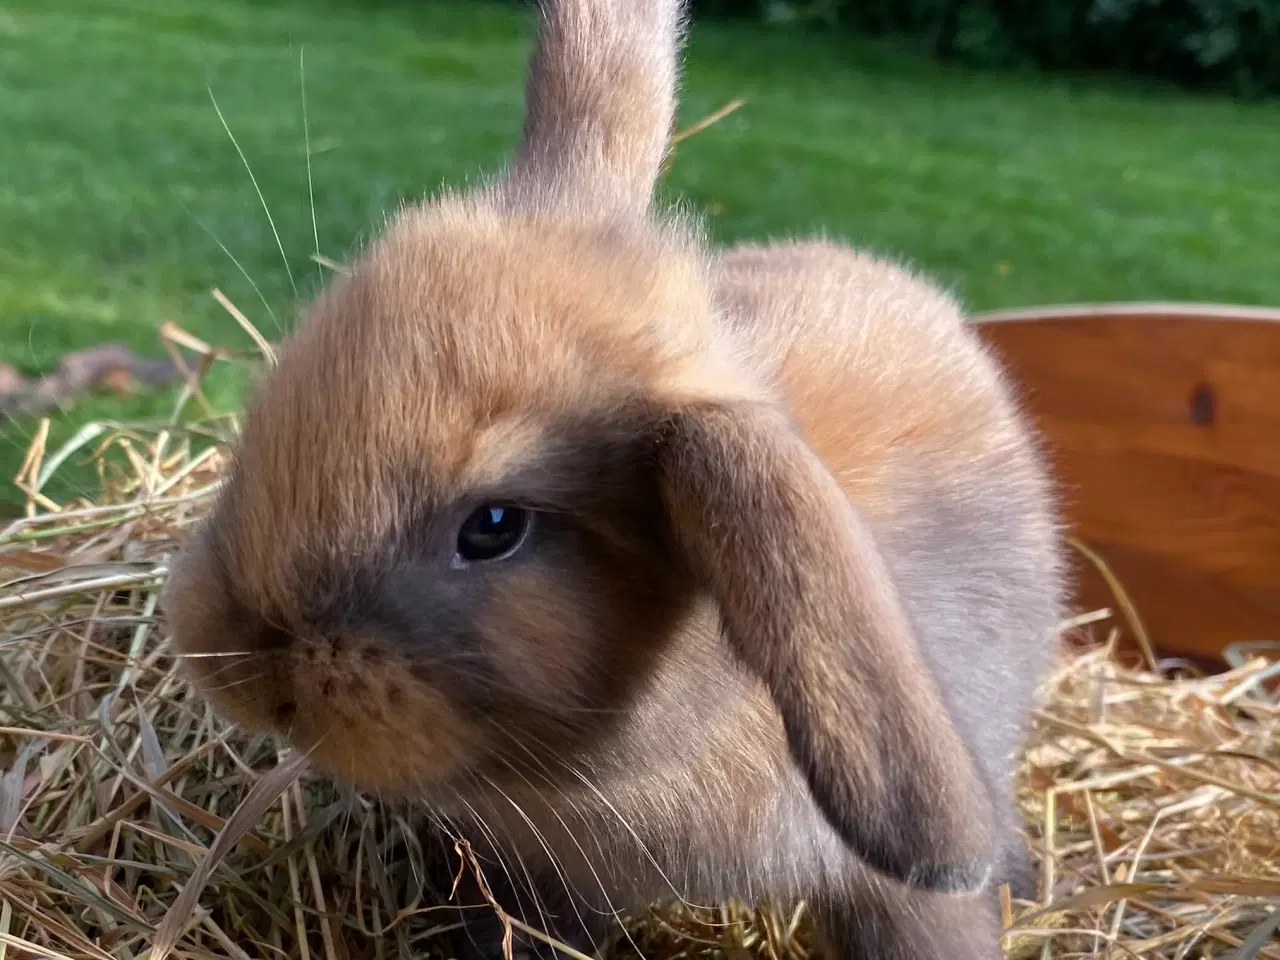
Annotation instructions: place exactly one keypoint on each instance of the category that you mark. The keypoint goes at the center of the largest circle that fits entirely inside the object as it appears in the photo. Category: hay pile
(1153, 800)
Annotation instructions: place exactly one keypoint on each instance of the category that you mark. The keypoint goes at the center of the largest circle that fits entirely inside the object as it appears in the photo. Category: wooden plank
(1162, 422)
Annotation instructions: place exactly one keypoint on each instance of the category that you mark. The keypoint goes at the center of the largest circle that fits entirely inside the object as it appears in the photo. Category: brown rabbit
(653, 571)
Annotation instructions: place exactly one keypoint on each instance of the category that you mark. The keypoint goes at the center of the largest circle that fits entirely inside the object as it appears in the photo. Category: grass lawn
(123, 200)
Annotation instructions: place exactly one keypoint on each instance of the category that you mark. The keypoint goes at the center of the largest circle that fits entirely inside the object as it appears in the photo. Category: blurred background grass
(123, 200)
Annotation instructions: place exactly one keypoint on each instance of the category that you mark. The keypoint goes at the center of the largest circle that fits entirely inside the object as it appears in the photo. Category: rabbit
(652, 569)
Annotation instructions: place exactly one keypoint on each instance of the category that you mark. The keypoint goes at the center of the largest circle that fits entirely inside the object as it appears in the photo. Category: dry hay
(1152, 799)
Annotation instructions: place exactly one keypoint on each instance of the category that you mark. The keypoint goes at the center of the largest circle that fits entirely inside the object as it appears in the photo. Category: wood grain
(1163, 425)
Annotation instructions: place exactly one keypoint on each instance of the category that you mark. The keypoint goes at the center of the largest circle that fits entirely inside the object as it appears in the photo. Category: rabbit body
(653, 571)
(696, 797)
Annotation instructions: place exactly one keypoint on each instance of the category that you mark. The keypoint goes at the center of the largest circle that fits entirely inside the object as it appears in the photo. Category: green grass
(119, 186)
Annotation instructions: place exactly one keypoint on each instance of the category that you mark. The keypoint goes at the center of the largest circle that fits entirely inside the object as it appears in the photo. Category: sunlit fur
(793, 571)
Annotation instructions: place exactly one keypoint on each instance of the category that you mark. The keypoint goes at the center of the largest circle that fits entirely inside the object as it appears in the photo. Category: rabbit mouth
(349, 706)
(243, 688)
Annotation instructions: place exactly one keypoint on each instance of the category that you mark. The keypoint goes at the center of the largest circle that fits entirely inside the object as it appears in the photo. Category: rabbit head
(500, 462)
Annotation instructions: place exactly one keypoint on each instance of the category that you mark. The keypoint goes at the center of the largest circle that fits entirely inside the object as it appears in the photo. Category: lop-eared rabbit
(652, 570)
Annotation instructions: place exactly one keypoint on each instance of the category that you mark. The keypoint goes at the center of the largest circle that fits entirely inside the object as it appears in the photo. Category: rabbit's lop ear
(808, 605)
(600, 98)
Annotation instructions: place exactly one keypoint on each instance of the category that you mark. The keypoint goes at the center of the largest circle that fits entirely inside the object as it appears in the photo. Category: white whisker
(586, 781)
(254, 180)
(612, 910)
(556, 864)
(546, 775)
(234, 683)
(497, 848)
(306, 137)
(243, 272)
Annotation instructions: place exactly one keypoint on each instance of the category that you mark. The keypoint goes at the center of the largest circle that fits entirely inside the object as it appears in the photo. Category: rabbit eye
(492, 532)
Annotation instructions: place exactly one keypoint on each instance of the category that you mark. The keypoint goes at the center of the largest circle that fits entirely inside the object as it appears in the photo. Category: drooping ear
(600, 98)
(808, 605)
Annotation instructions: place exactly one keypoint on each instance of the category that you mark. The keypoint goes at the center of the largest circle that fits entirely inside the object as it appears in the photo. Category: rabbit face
(443, 528)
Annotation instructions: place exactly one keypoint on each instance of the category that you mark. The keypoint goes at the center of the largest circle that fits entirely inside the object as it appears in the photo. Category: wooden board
(1163, 425)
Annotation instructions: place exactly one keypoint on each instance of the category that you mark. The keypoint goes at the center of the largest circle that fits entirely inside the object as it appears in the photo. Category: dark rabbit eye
(492, 532)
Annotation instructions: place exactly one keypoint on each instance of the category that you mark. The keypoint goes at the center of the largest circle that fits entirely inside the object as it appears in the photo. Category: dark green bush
(1222, 44)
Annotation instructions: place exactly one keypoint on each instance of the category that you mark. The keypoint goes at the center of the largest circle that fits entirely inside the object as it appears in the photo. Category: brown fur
(792, 573)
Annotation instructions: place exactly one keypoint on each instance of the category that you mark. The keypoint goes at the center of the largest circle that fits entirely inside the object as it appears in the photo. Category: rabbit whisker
(556, 862)
(235, 683)
(306, 139)
(586, 781)
(531, 875)
(254, 180)
(544, 774)
(497, 850)
(586, 821)
(612, 911)
(223, 670)
(243, 272)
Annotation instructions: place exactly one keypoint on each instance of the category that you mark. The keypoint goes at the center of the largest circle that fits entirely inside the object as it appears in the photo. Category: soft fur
(792, 576)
